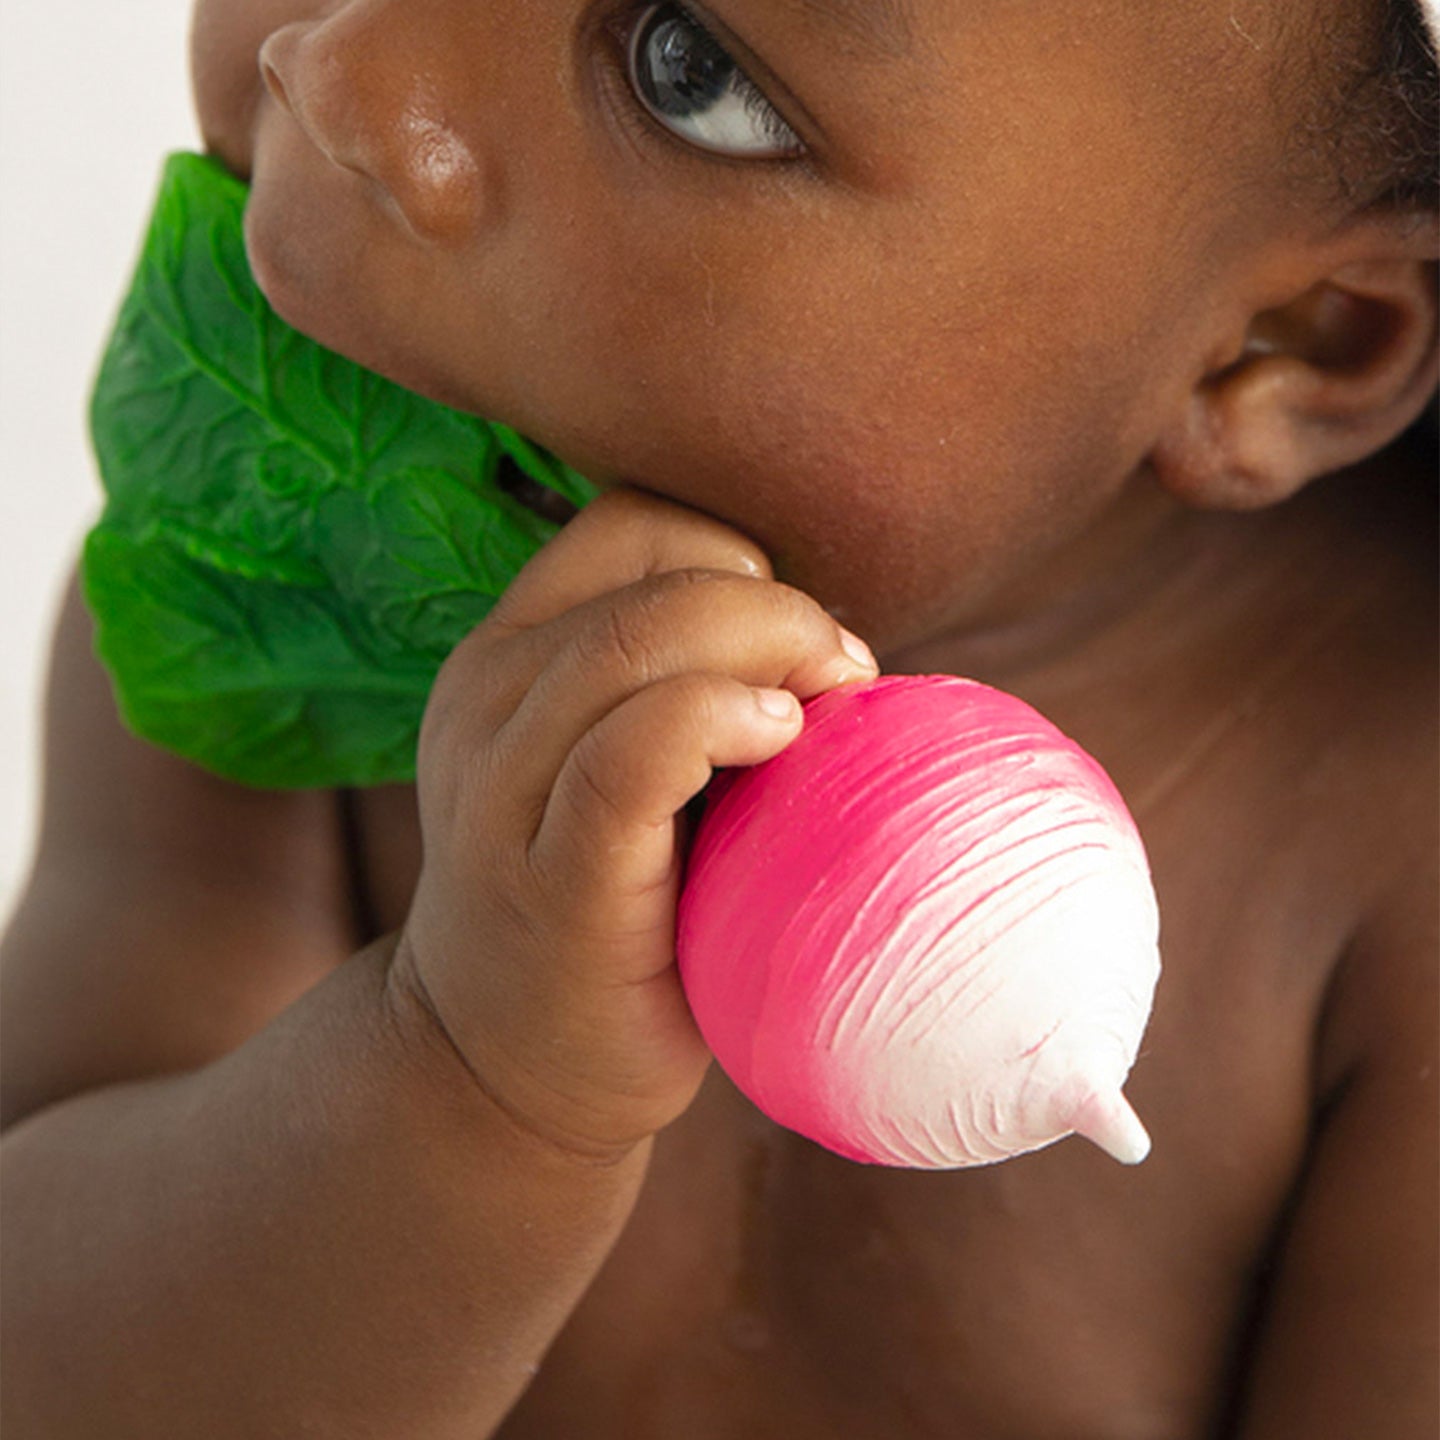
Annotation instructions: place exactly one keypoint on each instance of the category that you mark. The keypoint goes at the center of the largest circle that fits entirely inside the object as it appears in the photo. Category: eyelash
(643, 126)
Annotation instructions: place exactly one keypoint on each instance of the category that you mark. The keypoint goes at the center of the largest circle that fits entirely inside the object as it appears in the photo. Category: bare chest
(766, 1287)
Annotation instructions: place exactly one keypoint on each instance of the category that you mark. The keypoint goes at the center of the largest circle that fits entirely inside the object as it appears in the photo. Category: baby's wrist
(428, 1043)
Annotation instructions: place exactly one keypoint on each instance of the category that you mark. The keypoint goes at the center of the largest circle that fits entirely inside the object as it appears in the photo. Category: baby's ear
(1336, 363)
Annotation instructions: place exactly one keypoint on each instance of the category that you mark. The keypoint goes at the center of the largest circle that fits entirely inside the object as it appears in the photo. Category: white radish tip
(1108, 1121)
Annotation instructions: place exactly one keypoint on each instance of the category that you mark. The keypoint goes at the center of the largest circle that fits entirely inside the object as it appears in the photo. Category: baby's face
(902, 301)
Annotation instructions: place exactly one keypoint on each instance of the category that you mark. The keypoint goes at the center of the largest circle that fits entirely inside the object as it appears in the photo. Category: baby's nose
(366, 88)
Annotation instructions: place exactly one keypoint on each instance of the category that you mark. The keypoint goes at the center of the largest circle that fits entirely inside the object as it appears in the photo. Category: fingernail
(858, 650)
(777, 704)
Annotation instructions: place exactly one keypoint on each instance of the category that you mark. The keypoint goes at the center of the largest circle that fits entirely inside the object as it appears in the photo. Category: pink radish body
(925, 934)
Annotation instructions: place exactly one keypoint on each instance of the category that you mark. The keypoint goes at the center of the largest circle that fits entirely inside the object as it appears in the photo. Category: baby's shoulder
(1359, 709)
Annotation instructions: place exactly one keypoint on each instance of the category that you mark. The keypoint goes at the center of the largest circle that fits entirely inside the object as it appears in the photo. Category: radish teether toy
(925, 933)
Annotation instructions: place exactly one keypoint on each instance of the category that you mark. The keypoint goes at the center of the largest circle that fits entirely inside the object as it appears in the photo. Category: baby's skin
(1004, 345)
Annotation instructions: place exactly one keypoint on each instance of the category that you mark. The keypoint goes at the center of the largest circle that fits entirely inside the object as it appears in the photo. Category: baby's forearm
(330, 1231)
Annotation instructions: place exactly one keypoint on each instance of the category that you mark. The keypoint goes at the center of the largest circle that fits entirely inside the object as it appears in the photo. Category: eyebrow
(881, 25)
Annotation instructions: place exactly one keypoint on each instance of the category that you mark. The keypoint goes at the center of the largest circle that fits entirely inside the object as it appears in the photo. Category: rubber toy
(924, 934)
(291, 545)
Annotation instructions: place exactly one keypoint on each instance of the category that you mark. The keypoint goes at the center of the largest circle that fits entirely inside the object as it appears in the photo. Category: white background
(91, 99)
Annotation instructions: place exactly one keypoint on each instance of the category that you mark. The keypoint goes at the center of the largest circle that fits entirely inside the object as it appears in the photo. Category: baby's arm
(369, 1211)
(1349, 1346)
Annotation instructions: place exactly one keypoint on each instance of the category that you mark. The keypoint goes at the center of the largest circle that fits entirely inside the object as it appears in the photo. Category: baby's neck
(1072, 598)
(1160, 578)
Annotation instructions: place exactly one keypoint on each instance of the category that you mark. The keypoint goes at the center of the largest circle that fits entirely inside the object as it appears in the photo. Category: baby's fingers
(607, 837)
(703, 623)
(616, 540)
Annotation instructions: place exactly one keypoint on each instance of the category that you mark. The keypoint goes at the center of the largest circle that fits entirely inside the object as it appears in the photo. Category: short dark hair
(1377, 131)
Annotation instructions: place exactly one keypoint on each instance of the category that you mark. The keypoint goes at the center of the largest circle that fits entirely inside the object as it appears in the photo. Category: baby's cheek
(895, 481)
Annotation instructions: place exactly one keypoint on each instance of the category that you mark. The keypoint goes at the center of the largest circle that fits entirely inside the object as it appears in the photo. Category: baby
(1076, 348)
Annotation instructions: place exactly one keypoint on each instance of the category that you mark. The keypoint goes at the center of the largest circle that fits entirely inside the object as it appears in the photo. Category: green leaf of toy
(291, 545)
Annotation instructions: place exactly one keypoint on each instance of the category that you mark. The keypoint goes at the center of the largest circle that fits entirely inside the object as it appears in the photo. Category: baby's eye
(687, 81)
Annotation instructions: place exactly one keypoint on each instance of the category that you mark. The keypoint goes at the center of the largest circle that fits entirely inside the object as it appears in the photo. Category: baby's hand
(645, 645)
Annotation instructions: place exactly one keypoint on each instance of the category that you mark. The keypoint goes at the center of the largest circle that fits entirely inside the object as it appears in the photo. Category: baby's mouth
(538, 499)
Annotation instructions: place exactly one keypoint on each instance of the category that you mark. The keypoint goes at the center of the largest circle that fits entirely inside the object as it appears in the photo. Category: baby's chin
(308, 276)
(314, 252)
(320, 291)
(315, 294)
